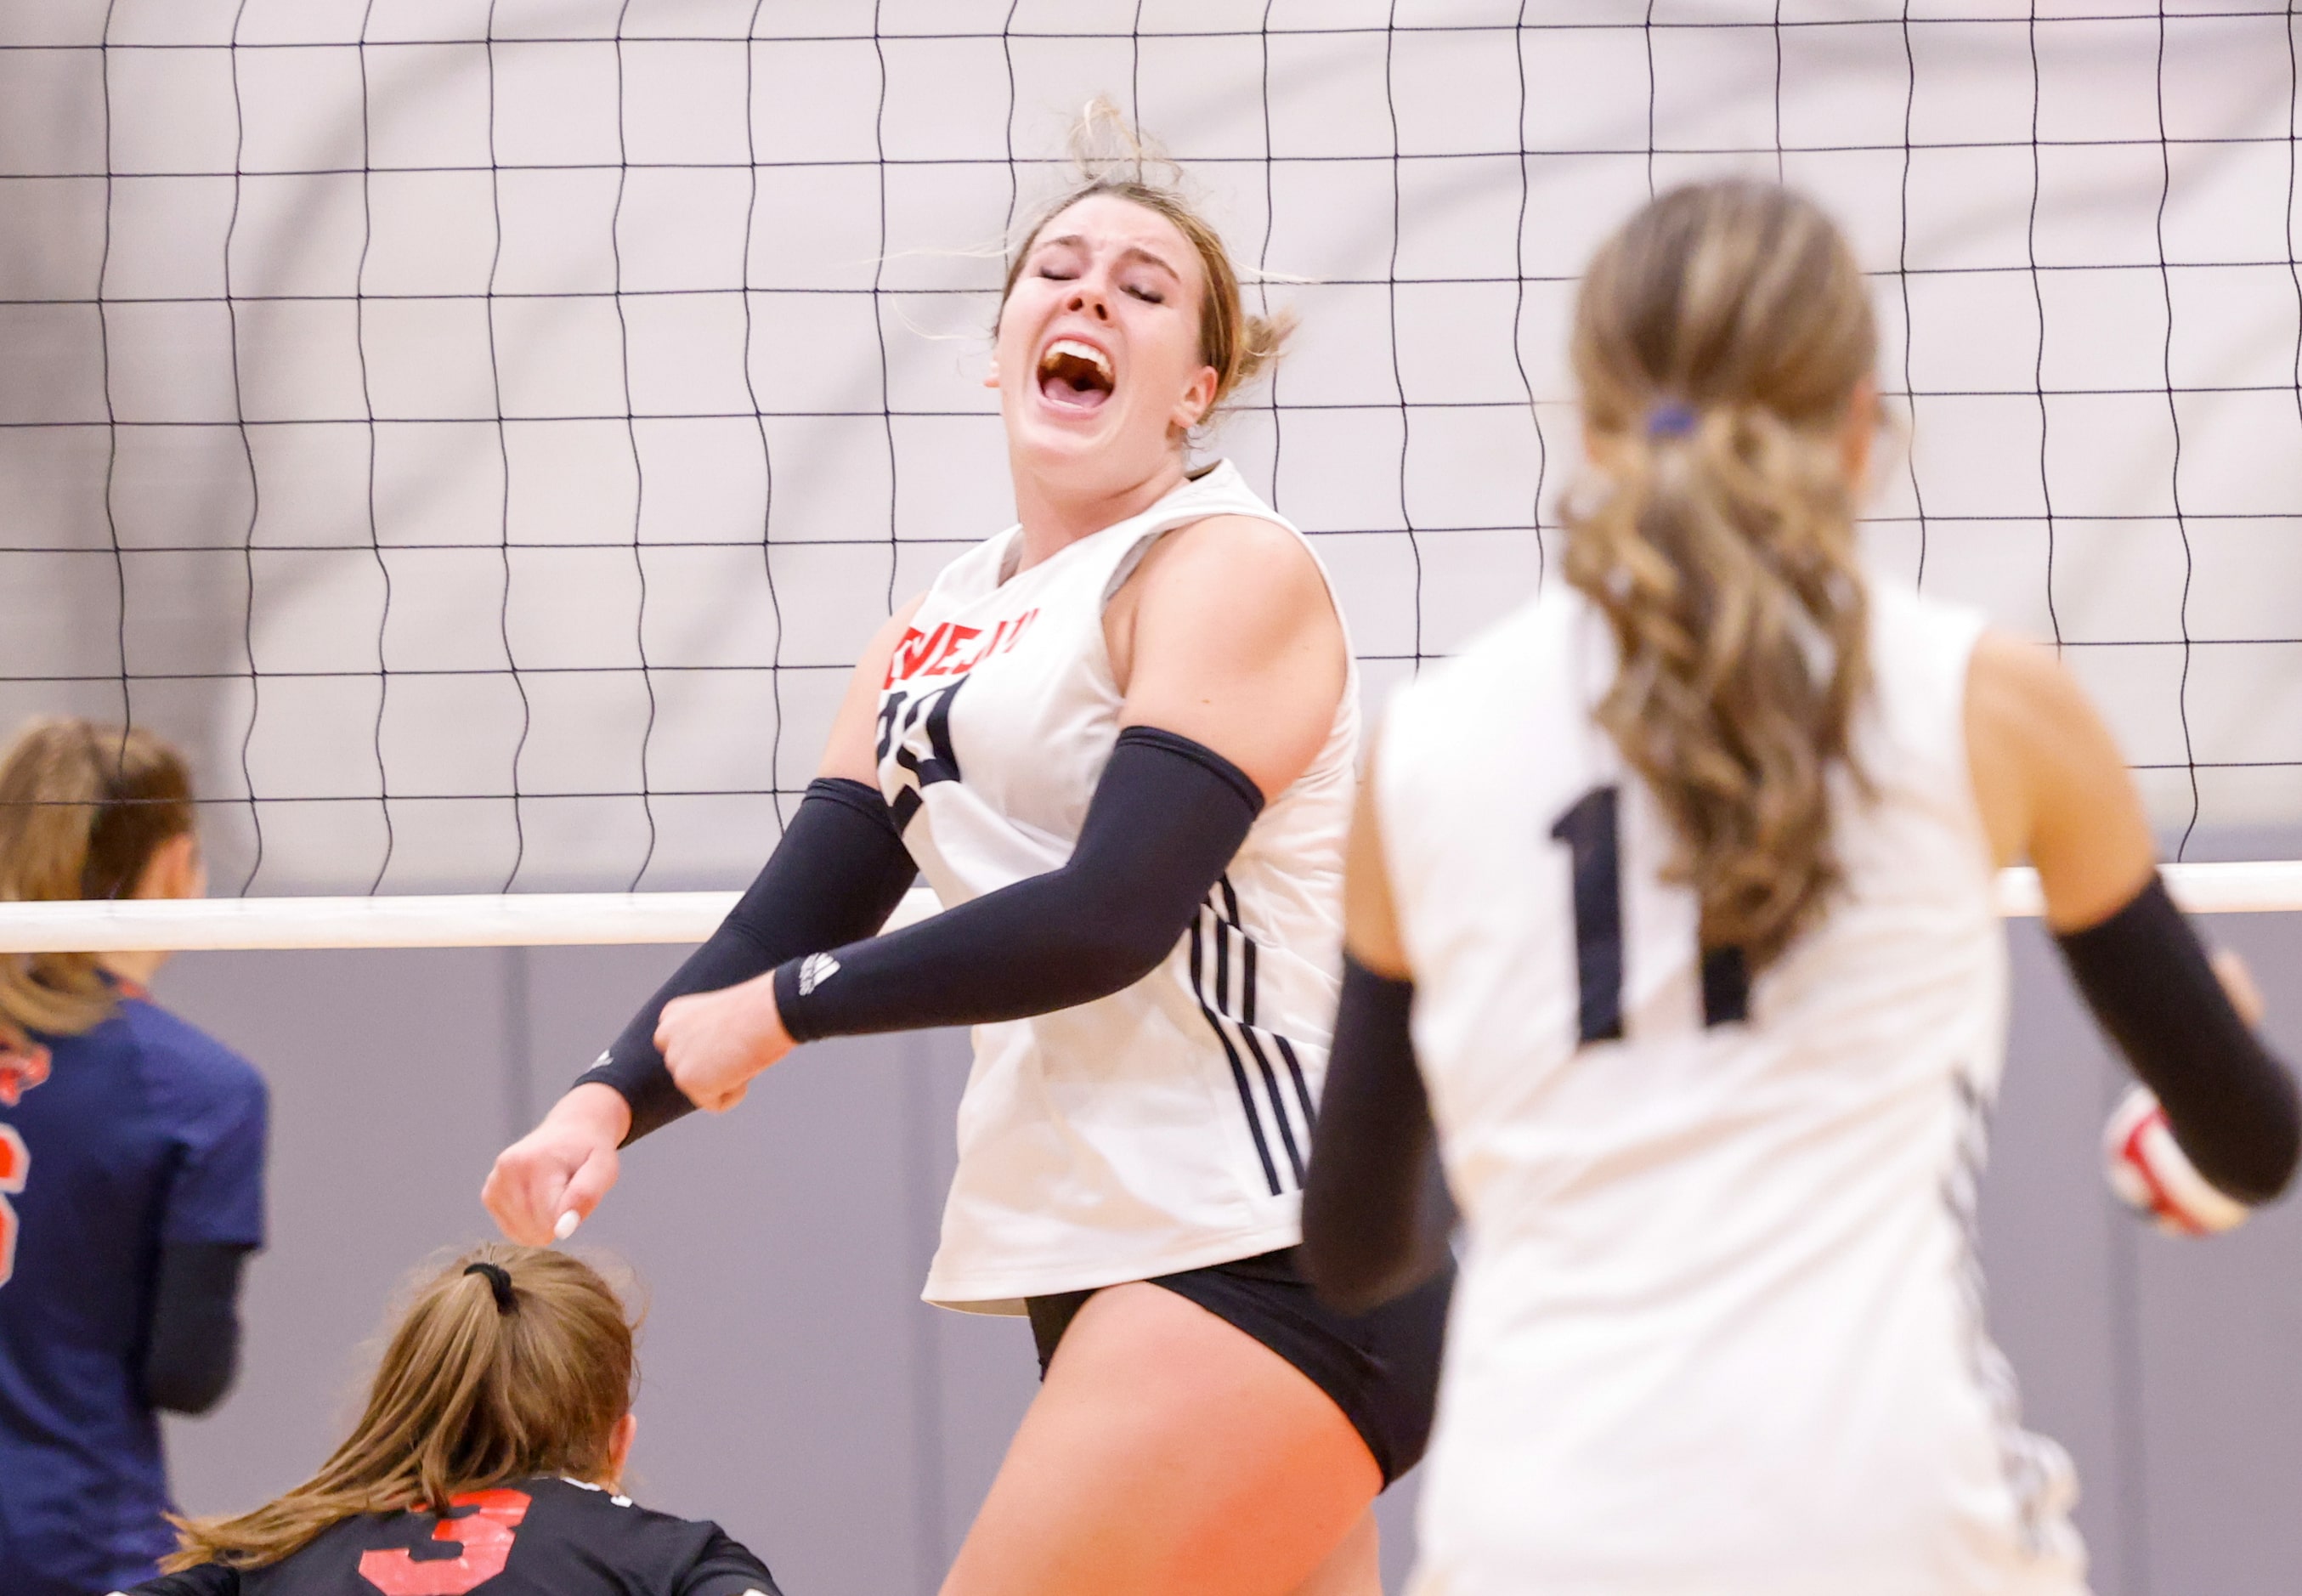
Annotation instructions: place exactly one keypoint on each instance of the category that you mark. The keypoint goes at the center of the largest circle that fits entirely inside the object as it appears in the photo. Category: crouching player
(489, 1458)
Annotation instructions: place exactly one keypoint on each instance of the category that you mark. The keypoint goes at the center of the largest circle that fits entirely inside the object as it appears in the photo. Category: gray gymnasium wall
(797, 1390)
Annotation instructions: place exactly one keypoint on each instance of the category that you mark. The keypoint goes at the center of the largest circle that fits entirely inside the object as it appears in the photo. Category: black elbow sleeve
(1376, 1213)
(1167, 817)
(837, 874)
(2231, 1102)
(194, 1349)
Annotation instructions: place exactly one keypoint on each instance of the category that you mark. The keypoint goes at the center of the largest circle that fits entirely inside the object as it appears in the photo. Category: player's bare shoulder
(1248, 561)
(1240, 585)
(2015, 687)
(2051, 781)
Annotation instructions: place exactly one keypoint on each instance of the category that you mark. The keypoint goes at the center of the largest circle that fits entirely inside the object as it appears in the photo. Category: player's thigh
(1168, 1451)
(1354, 1568)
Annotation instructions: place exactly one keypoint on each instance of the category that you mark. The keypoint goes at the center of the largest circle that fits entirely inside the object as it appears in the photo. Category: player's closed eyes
(1063, 272)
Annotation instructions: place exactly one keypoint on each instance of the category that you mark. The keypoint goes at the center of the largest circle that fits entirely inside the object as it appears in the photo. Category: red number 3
(485, 1532)
(15, 1165)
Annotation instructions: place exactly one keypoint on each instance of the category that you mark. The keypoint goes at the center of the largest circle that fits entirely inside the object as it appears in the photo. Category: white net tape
(546, 919)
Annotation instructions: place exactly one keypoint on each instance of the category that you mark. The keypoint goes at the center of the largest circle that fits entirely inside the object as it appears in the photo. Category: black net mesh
(483, 435)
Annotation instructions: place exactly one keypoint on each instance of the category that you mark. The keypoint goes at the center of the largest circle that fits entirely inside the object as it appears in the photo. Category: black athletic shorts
(1382, 1369)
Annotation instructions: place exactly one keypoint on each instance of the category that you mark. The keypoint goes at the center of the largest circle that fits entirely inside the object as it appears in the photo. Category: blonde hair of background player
(466, 1397)
(1109, 158)
(87, 810)
(1720, 544)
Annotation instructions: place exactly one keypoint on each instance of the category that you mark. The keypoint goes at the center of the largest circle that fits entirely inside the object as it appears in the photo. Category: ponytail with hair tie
(1730, 320)
(498, 1280)
(471, 1392)
(1671, 419)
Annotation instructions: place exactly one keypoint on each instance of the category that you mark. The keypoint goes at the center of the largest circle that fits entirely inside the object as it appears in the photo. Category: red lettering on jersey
(21, 1069)
(485, 1533)
(943, 665)
(936, 653)
(913, 654)
(15, 1169)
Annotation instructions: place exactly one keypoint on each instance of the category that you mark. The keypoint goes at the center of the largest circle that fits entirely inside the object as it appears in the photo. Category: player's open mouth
(1074, 375)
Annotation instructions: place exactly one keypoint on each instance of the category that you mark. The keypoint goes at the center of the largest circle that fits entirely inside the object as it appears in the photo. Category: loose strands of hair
(1108, 157)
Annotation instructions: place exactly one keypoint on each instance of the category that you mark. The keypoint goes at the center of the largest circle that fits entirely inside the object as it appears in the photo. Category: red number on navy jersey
(486, 1534)
(15, 1165)
(20, 1069)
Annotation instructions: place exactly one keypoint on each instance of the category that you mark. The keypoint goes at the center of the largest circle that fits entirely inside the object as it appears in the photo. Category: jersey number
(1592, 831)
(15, 1165)
(486, 1534)
(899, 713)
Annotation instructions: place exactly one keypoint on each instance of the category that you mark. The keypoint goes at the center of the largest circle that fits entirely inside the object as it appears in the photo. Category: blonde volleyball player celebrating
(1684, 874)
(1119, 738)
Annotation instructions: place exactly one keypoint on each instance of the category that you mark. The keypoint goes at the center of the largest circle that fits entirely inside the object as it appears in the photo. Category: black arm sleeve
(194, 1345)
(1376, 1213)
(2231, 1102)
(1166, 821)
(725, 1568)
(837, 874)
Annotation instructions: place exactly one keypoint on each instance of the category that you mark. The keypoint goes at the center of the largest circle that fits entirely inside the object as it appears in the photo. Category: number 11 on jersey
(1592, 830)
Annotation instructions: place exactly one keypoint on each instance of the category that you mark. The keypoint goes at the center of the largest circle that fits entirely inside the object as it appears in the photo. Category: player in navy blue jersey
(132, 1172)
(489, 1459)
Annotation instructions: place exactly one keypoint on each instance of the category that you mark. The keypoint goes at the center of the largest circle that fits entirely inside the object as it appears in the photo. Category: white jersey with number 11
(1718, 1329)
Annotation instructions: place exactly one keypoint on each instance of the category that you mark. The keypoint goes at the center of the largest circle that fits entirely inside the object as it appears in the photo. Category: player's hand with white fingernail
(548, 1182)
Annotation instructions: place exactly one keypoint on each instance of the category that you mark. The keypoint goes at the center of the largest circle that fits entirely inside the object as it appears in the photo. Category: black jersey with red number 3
(540, 1537)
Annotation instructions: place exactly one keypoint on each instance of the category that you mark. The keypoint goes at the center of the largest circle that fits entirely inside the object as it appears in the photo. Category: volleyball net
(483, 436)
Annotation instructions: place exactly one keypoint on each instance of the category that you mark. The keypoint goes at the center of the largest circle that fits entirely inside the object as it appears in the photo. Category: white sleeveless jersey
(1719, 1326)
(1165, 1127)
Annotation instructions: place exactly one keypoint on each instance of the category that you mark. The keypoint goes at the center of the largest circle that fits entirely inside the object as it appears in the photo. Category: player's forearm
(837, 875)
(1166, 820)
(194, 1351)
(1377, 1213)
(2231, 1102)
